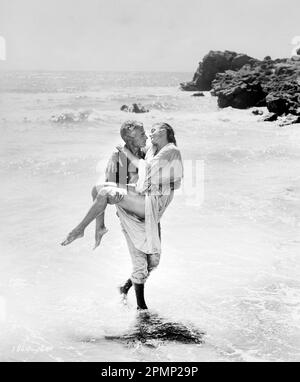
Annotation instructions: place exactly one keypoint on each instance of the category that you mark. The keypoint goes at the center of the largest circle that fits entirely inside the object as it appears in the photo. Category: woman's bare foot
(99, 235)
(73, 235)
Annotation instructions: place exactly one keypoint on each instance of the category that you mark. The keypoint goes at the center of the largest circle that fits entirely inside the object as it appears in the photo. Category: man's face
(139, 138)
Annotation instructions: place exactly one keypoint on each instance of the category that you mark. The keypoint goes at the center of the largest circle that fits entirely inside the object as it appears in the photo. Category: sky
(141, 35)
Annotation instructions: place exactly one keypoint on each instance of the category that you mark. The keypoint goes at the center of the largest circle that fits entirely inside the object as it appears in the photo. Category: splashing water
(229, 267)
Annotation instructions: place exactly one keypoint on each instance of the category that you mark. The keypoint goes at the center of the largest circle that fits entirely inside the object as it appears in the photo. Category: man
(119, 170)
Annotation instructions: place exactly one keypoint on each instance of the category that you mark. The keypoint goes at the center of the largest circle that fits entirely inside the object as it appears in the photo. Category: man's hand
(116, 198)
(120, 148)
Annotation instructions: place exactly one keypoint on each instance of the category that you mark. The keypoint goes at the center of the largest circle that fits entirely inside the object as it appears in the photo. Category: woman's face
(157, 133)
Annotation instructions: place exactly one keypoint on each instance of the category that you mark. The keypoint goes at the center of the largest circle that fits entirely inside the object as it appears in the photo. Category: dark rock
(199, 94)
(298, 51)
(240, 89)
(295, 111)
(295, 58)
(241, 96)
(239, 61)
(257, 112)
(241, 81)
(138, 108)
(270, 117)
(278, 80)
(284, 69)
(135, 108)
(215, 62)
(124, 108)
(261, 103)
(284, 95)
(277, 104)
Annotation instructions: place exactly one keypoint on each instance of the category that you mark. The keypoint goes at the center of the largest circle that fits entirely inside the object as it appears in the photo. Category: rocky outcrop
(215, 62)
(135, 108)
(284, 96)
(241, 94)
(271, 83)
(241, 81)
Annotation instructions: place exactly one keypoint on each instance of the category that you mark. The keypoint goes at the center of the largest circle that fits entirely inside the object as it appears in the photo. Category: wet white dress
(159, 175)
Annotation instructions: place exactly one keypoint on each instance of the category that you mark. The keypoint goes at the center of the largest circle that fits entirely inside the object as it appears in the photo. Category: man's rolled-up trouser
(143, 263)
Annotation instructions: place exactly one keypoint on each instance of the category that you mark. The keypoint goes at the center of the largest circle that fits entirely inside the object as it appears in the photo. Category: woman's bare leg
(131, 202)
(98, 208)
(134, 203)
(100, 228)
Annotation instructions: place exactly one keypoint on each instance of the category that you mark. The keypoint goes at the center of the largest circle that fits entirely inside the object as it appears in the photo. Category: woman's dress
(159, 176)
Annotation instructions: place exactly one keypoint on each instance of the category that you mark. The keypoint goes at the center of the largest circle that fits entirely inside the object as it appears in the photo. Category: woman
(159, 174)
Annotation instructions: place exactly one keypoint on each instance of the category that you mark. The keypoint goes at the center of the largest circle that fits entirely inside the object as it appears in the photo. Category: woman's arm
(133, 159)
(164, 170)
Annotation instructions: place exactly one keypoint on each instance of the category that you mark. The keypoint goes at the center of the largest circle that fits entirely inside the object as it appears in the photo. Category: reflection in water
(149, 327)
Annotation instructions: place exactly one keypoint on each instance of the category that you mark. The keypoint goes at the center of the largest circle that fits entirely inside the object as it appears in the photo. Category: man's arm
(133, 159)
(111, 176)
(112, 168)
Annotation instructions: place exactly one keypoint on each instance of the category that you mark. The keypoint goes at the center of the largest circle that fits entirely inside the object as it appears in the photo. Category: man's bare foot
(123, 297)
(99, 235)
(73, 235)
(123, 290)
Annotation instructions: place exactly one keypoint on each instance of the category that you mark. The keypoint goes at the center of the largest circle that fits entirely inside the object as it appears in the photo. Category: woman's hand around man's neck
(133, 149)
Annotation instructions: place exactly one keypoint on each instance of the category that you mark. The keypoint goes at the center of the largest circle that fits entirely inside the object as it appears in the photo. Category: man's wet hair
(128, 128)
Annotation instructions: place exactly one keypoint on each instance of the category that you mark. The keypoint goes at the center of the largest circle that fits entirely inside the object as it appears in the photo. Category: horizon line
(96, 70)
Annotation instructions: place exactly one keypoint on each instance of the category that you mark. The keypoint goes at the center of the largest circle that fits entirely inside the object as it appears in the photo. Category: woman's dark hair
(170, 133)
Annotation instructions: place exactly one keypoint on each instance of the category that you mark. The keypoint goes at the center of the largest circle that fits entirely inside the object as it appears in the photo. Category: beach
(230, 264)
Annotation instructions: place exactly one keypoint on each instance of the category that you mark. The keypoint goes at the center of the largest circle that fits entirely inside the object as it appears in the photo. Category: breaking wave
(76, 117)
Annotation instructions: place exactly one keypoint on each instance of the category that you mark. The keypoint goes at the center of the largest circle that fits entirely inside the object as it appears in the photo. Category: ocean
(230, 262)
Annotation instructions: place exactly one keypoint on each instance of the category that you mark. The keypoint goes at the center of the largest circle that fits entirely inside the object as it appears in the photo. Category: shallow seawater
(228, 282)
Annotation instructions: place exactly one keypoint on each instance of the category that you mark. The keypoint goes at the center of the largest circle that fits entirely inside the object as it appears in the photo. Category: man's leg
(140, 272)
(152, 260)
(139, 293)
(124, 289)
